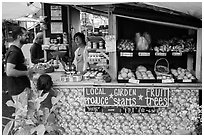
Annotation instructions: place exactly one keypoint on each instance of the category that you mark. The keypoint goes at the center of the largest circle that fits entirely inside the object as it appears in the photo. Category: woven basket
(161, 69)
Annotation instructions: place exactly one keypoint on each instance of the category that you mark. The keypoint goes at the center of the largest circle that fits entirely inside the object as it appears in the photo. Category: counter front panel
(180, 116)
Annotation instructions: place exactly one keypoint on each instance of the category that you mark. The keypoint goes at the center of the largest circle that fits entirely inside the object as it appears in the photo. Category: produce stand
(142, 106)
(78, 117)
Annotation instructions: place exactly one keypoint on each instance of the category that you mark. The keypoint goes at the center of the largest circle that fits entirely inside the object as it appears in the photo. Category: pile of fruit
(175, 45)
(46, 67)
(55, 47)
(142, 73)
(98, 74)
(125, 45)
(182, 74)
(179, 118)
(125, 74)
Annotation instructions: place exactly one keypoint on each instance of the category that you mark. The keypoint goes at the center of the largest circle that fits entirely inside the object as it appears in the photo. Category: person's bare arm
(11, 71)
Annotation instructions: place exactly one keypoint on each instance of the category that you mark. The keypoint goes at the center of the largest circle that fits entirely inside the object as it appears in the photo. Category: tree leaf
(54, 100)
(51, 119)
(43, 97)
(49, 128)
(23, 131)
(29, 122)
(8, 127)
(10, 103)
(40, 129)
(45, 114)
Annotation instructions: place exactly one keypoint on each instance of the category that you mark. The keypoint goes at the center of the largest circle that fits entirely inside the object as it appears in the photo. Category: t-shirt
(47, 102)
(16, 85)
(36, 53)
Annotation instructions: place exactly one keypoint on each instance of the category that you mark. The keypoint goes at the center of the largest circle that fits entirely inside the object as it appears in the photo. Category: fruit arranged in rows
(175, 45)
(126, 45)
(142, 73)
(125, 74)
(182, 74)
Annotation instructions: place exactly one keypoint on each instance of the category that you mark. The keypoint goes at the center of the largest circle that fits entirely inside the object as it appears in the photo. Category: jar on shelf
(100, 44)
(89, 45)
(94, 45)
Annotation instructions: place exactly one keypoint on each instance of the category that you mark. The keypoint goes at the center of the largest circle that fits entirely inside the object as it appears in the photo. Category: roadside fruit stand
(150, 81)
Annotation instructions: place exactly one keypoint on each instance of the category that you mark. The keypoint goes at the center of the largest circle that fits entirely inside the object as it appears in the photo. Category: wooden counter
(179, 117)
(56, 80)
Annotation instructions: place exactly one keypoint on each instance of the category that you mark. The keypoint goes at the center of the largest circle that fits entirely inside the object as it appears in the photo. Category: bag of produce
(142, 41)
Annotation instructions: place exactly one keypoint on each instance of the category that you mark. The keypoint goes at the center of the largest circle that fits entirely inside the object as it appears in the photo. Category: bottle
(64, 38)
(100, 44)
(58, 40)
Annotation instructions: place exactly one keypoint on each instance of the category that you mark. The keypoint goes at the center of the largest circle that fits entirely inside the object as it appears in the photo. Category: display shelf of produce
(186, 81)
(96, 50)
(128, 53)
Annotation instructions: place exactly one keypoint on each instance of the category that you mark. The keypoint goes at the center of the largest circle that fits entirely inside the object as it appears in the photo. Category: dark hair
(81, 35)
(44, 83)
(17, 30)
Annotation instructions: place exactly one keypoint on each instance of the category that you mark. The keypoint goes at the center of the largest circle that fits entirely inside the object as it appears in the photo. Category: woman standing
(81, 53)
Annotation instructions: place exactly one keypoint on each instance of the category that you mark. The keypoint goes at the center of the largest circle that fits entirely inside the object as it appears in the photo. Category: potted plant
(33, 120)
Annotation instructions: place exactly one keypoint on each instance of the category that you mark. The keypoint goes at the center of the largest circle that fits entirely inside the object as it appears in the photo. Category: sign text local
(134, 97)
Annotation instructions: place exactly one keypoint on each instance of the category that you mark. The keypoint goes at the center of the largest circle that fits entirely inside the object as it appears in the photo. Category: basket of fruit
(43, 68)
(161, 67)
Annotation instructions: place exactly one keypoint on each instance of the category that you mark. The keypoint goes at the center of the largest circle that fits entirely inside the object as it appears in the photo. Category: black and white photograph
(101, 68)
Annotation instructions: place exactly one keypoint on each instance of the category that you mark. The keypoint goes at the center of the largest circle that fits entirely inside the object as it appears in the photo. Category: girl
(81, 53)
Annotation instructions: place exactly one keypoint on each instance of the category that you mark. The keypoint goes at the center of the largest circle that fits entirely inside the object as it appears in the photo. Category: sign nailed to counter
(133, 97)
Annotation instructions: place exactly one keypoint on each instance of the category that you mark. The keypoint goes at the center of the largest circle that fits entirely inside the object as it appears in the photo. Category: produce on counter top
(47, 67)
(182, 74)
(142, 73)
(125, 44)
(55, 47)
(125, 74)
(175, 45)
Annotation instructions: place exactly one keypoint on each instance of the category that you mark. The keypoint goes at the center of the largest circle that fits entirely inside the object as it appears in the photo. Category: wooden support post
(199, 55)
(112, 55)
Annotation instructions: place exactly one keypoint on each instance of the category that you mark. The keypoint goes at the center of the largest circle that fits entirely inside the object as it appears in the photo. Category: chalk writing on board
(135, 97)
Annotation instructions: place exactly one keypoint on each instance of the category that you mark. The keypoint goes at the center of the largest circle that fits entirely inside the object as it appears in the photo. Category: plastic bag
(142, 42)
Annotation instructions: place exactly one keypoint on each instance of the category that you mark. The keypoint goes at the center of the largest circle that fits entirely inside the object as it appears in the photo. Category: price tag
(143, 53)
(111, 110)
(176, 54)
(187, 80)
(167, 80)
(160, 54)
(126, 54)
(135, 81)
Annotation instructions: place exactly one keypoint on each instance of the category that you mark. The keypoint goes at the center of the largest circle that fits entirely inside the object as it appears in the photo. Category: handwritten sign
(110, 41)
(126, 54)
(132, 97)
(114, 109)
(143, 53)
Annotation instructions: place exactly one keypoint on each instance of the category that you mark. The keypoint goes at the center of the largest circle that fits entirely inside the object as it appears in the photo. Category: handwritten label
(133, 97)
(111, 110)
(110, 41)
(143, 53)
(126, 54)
(138, 110)
(160, 54)
(187, 80)
(116, 109)
(93, 109)
(176, 54)
(135, 81)
(167, 80)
